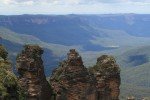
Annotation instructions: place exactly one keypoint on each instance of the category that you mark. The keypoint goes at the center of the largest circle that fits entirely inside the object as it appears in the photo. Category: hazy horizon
(75, 14)
(62, 7)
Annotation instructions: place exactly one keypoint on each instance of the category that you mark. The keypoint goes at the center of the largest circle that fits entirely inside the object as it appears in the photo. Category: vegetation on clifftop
(9, 86)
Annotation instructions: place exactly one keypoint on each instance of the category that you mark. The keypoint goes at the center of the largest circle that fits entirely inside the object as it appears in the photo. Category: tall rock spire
(72, 81)
(31, 73)
(107, 74)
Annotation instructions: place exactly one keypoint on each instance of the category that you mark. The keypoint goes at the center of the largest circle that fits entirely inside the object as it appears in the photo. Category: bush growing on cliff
(9, 86)
(3, 52)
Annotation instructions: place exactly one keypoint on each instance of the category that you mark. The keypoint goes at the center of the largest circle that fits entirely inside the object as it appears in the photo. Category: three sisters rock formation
(71, 80)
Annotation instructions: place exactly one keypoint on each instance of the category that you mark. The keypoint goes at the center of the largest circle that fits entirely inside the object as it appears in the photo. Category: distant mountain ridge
(128, 22)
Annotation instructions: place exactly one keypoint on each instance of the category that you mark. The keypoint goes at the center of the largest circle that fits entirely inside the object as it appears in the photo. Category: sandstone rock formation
(72, 81)
(107, 74)
(31, 73)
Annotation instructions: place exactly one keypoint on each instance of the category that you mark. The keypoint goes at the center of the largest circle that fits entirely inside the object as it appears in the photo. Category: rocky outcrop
(107, 74)
(31, 73)
(72, 81)
(9, 87)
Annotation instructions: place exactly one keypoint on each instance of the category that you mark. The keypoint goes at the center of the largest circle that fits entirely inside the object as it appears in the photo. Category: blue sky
(15, 7)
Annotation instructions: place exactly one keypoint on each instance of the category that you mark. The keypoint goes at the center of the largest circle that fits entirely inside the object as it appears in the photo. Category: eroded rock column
(72, 81)
(107, 74)
(31, 73)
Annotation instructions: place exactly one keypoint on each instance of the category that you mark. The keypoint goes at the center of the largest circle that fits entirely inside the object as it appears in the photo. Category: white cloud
(16, 2)
(71, 2)
(57, 2)
(73, 6)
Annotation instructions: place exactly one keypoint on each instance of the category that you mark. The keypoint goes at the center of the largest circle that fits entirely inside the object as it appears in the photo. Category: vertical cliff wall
(31, 73)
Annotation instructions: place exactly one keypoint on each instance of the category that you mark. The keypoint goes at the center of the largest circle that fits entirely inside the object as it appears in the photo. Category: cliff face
(9, 87)
(31, 71)
(72, 81)
(107, 74)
